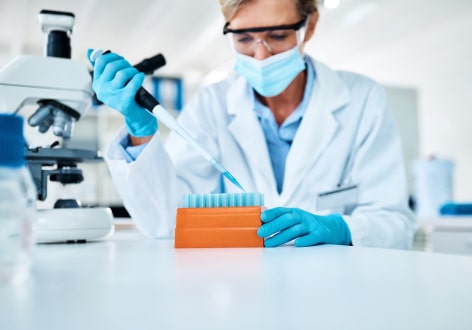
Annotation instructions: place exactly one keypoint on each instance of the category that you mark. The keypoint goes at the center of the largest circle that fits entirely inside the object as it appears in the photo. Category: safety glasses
(276, 39)
(294, 27)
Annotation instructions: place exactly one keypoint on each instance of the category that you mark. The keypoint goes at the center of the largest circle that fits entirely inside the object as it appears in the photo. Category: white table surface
(128, 282)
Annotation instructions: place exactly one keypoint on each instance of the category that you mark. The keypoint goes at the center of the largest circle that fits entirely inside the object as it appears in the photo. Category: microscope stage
(73, 224)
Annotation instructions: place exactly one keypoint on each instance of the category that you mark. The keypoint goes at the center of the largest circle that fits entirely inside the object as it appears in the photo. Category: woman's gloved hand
(286, 224)
(116, 83)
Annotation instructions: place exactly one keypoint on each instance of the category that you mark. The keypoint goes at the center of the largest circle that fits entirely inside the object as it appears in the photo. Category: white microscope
(61, 87)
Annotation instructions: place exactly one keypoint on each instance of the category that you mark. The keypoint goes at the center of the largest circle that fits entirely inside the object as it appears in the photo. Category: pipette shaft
(146, 100)
(165, 117)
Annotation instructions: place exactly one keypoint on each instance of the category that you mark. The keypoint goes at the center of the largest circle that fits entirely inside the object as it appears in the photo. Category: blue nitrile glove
(307, 229)
(116, 82)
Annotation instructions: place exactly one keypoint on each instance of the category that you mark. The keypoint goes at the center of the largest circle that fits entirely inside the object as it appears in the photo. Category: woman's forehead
(265, 13)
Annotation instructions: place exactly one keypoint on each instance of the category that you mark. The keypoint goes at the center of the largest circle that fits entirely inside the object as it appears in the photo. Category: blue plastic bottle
(17, 202)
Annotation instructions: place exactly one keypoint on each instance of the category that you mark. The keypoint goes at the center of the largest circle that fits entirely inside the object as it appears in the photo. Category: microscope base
(73, 224)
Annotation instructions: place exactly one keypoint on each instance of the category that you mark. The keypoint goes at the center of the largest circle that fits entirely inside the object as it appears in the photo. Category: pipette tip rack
(219, 220)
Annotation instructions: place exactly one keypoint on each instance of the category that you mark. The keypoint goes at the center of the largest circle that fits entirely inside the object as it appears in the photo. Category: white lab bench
(129, 282)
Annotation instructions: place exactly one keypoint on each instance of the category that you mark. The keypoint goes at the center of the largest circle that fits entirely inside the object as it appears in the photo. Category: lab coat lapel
(317, 127)
(247, 132)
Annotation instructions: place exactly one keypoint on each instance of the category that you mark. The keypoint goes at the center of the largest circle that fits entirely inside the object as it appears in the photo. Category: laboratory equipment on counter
(452, 208)
(61, 87)
(67, 221)
(219, 220)
(146, 100)
(17, 202)
(433, 183)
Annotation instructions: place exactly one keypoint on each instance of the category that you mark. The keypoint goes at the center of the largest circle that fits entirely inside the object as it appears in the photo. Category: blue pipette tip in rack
(222, 200)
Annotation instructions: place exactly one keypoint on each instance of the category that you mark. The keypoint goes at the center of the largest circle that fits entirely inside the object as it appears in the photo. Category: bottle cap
(12, 141)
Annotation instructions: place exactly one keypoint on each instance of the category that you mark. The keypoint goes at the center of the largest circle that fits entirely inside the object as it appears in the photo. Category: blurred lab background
(420, 50)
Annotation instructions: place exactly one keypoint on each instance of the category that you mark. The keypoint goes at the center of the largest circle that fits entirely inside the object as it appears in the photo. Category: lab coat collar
(317, 129)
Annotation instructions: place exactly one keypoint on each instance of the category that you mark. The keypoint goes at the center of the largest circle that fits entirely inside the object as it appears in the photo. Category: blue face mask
(271, 76)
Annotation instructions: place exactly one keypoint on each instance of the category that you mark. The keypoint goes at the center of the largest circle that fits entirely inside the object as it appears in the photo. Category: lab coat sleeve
(148, 186)
(382, 217)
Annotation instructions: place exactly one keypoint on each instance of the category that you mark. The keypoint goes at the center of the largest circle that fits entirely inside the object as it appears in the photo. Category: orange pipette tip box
(218, 227)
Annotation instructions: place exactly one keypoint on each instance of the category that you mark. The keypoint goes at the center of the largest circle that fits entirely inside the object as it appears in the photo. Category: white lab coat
(222, 119)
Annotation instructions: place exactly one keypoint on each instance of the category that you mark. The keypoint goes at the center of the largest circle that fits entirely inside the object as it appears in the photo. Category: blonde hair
(229, 7)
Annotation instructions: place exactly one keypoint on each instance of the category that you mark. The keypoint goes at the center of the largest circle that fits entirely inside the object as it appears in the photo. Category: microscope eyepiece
(58, 25)
(58, 44)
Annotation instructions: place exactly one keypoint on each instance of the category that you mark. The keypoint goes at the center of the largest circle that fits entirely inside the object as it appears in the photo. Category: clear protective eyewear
(276, 39)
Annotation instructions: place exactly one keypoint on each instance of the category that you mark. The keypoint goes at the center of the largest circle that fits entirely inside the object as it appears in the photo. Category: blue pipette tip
(222, 200)
(233, 180)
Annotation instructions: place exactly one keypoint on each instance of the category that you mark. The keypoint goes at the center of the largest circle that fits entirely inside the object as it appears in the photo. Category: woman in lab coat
(320, 145)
